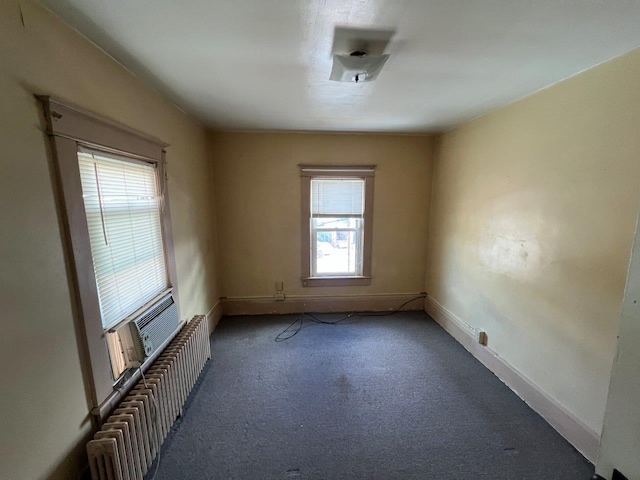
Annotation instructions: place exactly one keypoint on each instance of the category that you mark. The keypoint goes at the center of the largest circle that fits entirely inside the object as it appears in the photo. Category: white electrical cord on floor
(156, 422)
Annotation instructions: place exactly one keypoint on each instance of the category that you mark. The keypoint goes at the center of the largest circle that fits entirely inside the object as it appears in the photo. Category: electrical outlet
(279, 296)
(479, 335)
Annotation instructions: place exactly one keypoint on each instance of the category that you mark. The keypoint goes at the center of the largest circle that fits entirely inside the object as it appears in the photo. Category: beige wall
(258, 199)
(532, 221)
(43, 406)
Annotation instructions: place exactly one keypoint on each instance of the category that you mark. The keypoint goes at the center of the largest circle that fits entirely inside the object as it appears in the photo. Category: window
(122, 205)
(337, 213)
(114, 202)
(337, 221)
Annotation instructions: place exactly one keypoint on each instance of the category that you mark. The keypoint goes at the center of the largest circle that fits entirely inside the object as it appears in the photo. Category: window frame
(307, 172)
(69, 128)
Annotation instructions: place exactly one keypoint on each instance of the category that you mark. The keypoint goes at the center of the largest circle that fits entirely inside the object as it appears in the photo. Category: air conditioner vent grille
(145, 319)
(157, 324)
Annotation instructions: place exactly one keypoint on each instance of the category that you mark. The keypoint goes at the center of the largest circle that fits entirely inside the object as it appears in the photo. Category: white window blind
(337, 197)
(123, 207)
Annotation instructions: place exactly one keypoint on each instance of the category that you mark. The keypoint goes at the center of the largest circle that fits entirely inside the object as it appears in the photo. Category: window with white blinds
(337, 197)
(337, 226)
(123, 204)
(337, 219)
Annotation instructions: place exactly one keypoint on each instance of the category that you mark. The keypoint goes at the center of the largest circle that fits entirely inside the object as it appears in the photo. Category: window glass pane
(337, 248)
(123, 207)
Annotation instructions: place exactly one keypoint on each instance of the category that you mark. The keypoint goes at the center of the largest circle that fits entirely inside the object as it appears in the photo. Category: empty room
(320, 239)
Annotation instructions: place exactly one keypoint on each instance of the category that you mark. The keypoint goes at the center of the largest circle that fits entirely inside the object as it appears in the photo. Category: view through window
(338, 246)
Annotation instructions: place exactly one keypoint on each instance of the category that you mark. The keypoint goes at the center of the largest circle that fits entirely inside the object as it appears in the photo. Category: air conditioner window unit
(145, 333)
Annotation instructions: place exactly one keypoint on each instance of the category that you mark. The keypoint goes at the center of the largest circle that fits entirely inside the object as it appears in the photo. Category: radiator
(128, 442)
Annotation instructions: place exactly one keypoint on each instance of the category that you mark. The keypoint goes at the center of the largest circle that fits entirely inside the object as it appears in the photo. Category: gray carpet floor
(391, 397)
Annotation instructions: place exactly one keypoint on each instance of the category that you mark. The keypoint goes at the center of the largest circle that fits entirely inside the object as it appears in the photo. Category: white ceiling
(265, 64)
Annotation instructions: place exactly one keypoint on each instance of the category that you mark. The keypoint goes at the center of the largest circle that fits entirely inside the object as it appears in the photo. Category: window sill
(336, 281)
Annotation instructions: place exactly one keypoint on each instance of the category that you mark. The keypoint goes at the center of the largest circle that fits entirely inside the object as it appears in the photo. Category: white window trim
(307, 172)
(68, 127)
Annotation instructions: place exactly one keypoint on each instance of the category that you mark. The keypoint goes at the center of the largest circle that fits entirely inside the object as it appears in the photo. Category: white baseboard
(580, 435)
(214, 315)
(318, 303)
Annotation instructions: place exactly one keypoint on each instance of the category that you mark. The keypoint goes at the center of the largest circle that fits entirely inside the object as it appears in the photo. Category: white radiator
(130, 439)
